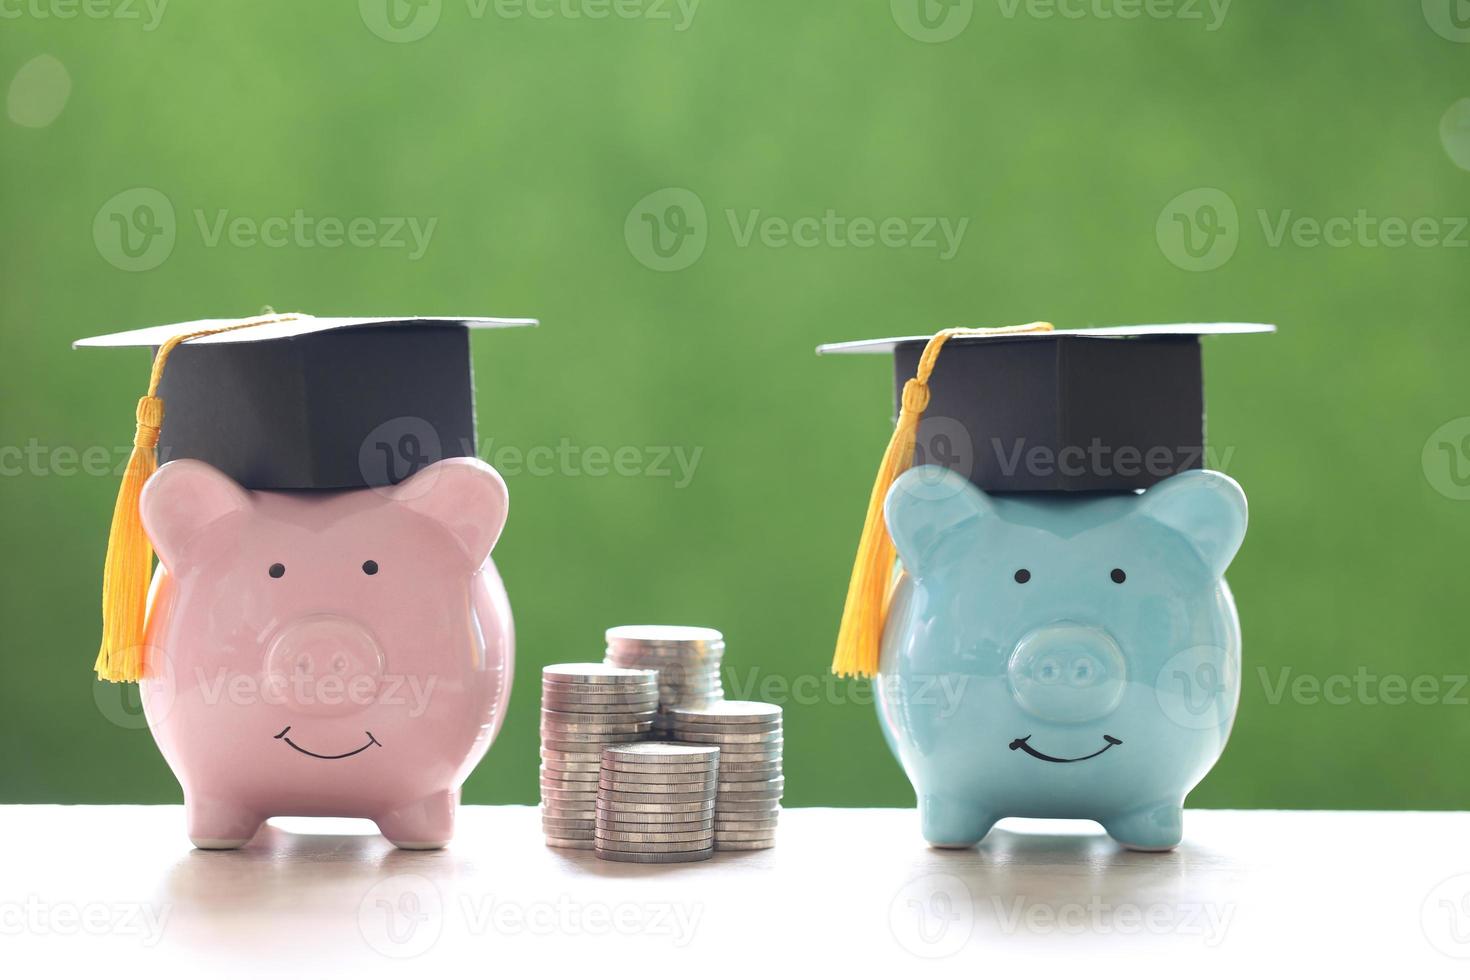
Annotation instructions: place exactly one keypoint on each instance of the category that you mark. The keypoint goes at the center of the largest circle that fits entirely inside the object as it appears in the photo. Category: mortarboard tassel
(129, 565)
(870, 589)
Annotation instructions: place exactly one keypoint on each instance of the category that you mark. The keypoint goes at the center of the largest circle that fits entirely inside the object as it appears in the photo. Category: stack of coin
(748, 734)
(687, 659)
(656, 803)
(585, 707)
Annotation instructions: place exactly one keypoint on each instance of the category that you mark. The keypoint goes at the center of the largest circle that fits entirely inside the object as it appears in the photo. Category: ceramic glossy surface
(326, 654)
(1060, 656)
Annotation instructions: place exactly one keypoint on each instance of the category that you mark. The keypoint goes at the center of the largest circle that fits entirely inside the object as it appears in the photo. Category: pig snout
(324, 666)
(1068, 672)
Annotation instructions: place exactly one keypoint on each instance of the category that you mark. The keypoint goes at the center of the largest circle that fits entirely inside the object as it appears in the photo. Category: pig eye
(370, 567)
(1119, 576)
(1023, 576)
(277, 570)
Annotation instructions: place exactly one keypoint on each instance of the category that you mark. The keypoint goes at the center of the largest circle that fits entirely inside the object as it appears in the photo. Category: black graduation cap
(283, 402)
(1097, 409)
(1027, 409)
(296, 402)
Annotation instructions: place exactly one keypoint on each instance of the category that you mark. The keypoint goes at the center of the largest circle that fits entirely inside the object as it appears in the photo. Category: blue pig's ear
(1206, 507)
(926, 506)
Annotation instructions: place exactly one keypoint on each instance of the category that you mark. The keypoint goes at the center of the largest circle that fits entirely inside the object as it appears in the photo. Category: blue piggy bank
(1057, 656)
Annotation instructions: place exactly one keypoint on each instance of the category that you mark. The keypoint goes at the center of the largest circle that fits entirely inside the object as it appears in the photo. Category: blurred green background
(1095, 160)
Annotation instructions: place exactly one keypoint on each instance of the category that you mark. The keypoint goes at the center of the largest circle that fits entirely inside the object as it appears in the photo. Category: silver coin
(590, 673)
(734, 711)
(771, 760)
(684, 827)
(568, 823)
(590, 733)
(668, 847)
(765, 836)
(735, 741)
(571, 775)
(592, 701)
(645, 753)
(560, 718)
(556, 787)
(641, 682)
(748, 780)
(594, 693)
(746, 826)
(578, 749)
(656, 837)
(619, 806)
(735, 769)
(676, 772)
(618, 786)
(572, 758)
(675, 857)
(594, 734)
(629, 733)
(554, 811)
(699, 796)
(651, 816)
(768, 757)
(556, 794)
(750, 796)
(599, 714)
(744, 845)
(749, 806)
(707, 777)
(571, 843)
(684, 726)
(620, 637)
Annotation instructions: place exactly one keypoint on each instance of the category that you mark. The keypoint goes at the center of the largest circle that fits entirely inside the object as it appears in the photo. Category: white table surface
(118, 891)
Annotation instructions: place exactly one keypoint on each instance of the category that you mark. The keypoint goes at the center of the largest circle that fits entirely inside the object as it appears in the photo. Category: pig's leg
(219, 825)
(422, 825)
(1156, 827)
(951, 822)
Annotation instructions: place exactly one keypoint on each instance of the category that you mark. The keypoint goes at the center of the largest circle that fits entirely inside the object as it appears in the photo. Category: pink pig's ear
(183, 498)
(465, 495)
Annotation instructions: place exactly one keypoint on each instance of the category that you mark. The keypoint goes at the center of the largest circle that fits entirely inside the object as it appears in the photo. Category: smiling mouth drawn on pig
(316, 755)
(1024, 744)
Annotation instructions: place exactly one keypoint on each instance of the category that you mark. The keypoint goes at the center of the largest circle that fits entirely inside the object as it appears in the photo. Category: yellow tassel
(869, 591)
(129, 565)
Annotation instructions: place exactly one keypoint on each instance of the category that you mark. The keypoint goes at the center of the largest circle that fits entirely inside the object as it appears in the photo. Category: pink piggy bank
(326, 653)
